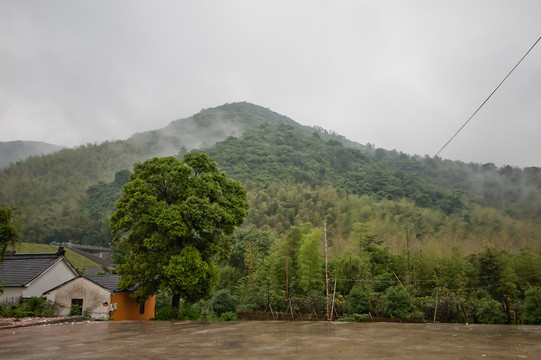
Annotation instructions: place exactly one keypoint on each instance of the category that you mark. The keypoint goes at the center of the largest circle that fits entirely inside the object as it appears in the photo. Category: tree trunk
(175, 302)
(507, 308)
(465, 313)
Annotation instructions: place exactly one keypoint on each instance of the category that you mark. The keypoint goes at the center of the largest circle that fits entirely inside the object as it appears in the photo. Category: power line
(471, 117)
(5, 199)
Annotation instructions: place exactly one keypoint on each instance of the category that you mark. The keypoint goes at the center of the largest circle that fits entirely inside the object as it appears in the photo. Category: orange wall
(128, 309)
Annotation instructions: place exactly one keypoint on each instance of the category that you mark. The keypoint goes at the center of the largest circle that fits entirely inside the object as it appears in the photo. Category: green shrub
(165, 312)
(222, 301)
(188, 312)
(75, 310)
(397, 303)
(228, 316)
(357, 301)
(532, 305)
(33, 307)
(490, 312)
(354, 318)
(3, 310)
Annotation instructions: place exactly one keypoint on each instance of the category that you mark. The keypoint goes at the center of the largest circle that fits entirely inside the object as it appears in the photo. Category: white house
(23, 276)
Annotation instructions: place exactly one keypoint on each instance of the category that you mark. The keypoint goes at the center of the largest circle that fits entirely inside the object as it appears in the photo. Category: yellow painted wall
(128, 309)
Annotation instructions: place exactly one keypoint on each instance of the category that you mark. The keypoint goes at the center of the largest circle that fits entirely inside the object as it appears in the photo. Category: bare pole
(400, 282)
(326, 269)
(436, 308)
(287, 273)
(333, 297)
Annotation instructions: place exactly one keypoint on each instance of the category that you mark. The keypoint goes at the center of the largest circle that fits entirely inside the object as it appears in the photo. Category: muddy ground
(269, 340)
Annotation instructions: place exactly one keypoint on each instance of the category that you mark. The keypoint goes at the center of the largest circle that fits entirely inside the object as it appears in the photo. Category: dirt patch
(8, 323)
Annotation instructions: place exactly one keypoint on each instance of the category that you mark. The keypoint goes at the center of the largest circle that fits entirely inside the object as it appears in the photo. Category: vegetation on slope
(515, 191)
(13, 151)
(49, 189)
(443, 234)
(77, 260)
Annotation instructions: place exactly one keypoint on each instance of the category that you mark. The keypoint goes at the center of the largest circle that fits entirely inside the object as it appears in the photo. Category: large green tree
(172, 220)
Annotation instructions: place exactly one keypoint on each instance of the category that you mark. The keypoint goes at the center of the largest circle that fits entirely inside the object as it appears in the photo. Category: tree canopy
(8, 229)
(172, 220)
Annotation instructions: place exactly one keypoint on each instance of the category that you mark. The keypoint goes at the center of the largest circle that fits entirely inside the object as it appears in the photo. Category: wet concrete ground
(270, 340)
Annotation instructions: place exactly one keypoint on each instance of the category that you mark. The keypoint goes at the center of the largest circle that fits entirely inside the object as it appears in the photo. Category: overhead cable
(469, 119)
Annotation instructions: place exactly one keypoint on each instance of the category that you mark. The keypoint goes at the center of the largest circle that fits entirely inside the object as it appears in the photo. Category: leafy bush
(490, 312)
(222, 301)
(531, 307)
(354, 318)
(358, 301)
(75, 310)
(33, 307)
(228, 316)
(37, 306)
(188, 311)
(397, 303)
(165, 312)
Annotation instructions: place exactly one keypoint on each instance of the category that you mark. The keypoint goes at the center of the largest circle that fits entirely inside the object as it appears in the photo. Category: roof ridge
(32, 255)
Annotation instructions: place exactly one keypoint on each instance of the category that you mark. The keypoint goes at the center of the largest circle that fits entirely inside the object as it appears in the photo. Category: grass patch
(77, 260)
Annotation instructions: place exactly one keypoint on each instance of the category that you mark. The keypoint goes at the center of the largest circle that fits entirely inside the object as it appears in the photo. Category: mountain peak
(206, 128)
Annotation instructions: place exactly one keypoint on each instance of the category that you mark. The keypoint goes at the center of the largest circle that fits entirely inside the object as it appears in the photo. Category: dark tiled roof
(109, 282)
(20, 269)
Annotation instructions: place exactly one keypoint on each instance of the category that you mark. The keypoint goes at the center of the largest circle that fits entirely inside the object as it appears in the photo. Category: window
(142, 308)
(76, 307)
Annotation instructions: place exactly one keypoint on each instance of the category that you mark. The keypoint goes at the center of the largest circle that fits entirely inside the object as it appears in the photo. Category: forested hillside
(69, 195)
(513, 190)
(465, 235)
(13, 151)
(57, 193)
(48, 191)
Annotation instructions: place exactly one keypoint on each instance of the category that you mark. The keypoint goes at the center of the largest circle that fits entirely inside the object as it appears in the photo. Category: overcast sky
(401, 75)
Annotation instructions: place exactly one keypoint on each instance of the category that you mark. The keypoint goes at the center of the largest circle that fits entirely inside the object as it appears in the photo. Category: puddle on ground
(270, 340)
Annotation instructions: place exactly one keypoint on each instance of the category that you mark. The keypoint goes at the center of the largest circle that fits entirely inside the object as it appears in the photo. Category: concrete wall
(96, 300)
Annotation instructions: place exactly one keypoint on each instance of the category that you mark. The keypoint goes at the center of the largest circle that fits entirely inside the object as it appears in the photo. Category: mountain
(294, 174)
(213, 125)
(13, 151)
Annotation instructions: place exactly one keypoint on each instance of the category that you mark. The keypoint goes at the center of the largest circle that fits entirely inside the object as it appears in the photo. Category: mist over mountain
(294, 174)
(208, 127)
(13, 151)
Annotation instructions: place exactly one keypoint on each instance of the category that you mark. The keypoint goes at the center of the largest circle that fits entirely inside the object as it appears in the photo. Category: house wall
(11, 295)
(57, 274)
(96, 300)
(125, 307)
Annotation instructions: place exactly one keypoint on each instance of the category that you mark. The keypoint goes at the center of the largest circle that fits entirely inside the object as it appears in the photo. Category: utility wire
(469, 119)
(5, 199)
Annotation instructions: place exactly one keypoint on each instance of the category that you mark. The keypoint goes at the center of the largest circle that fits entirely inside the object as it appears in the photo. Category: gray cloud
(400, 75)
